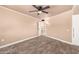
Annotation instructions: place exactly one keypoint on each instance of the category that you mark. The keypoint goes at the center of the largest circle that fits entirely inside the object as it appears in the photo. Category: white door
(75, 27)
(41, 28)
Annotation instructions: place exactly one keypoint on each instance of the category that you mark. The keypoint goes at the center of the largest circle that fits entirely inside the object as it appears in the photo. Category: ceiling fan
(40, 9)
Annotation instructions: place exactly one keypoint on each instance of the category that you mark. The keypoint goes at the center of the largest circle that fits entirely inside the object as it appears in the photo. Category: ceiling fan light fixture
(39, 12)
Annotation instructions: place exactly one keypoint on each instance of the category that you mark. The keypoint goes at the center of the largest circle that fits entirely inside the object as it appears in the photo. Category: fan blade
(33, 11)
(46, 7)
(45, 12)
(35, 6)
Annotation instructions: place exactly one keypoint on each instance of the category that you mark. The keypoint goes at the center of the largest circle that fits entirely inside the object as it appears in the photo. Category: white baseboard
(19, 41)
(34, 37)
(70, 43)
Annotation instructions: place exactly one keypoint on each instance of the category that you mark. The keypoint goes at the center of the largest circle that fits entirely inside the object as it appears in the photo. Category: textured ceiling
(76, 9)
(53, 10)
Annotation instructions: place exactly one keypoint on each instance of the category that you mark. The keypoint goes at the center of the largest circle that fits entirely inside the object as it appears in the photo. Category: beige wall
(61, 26)
(15, 26)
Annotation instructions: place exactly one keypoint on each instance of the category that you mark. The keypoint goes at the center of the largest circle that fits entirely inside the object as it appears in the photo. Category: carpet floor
(40, 45)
